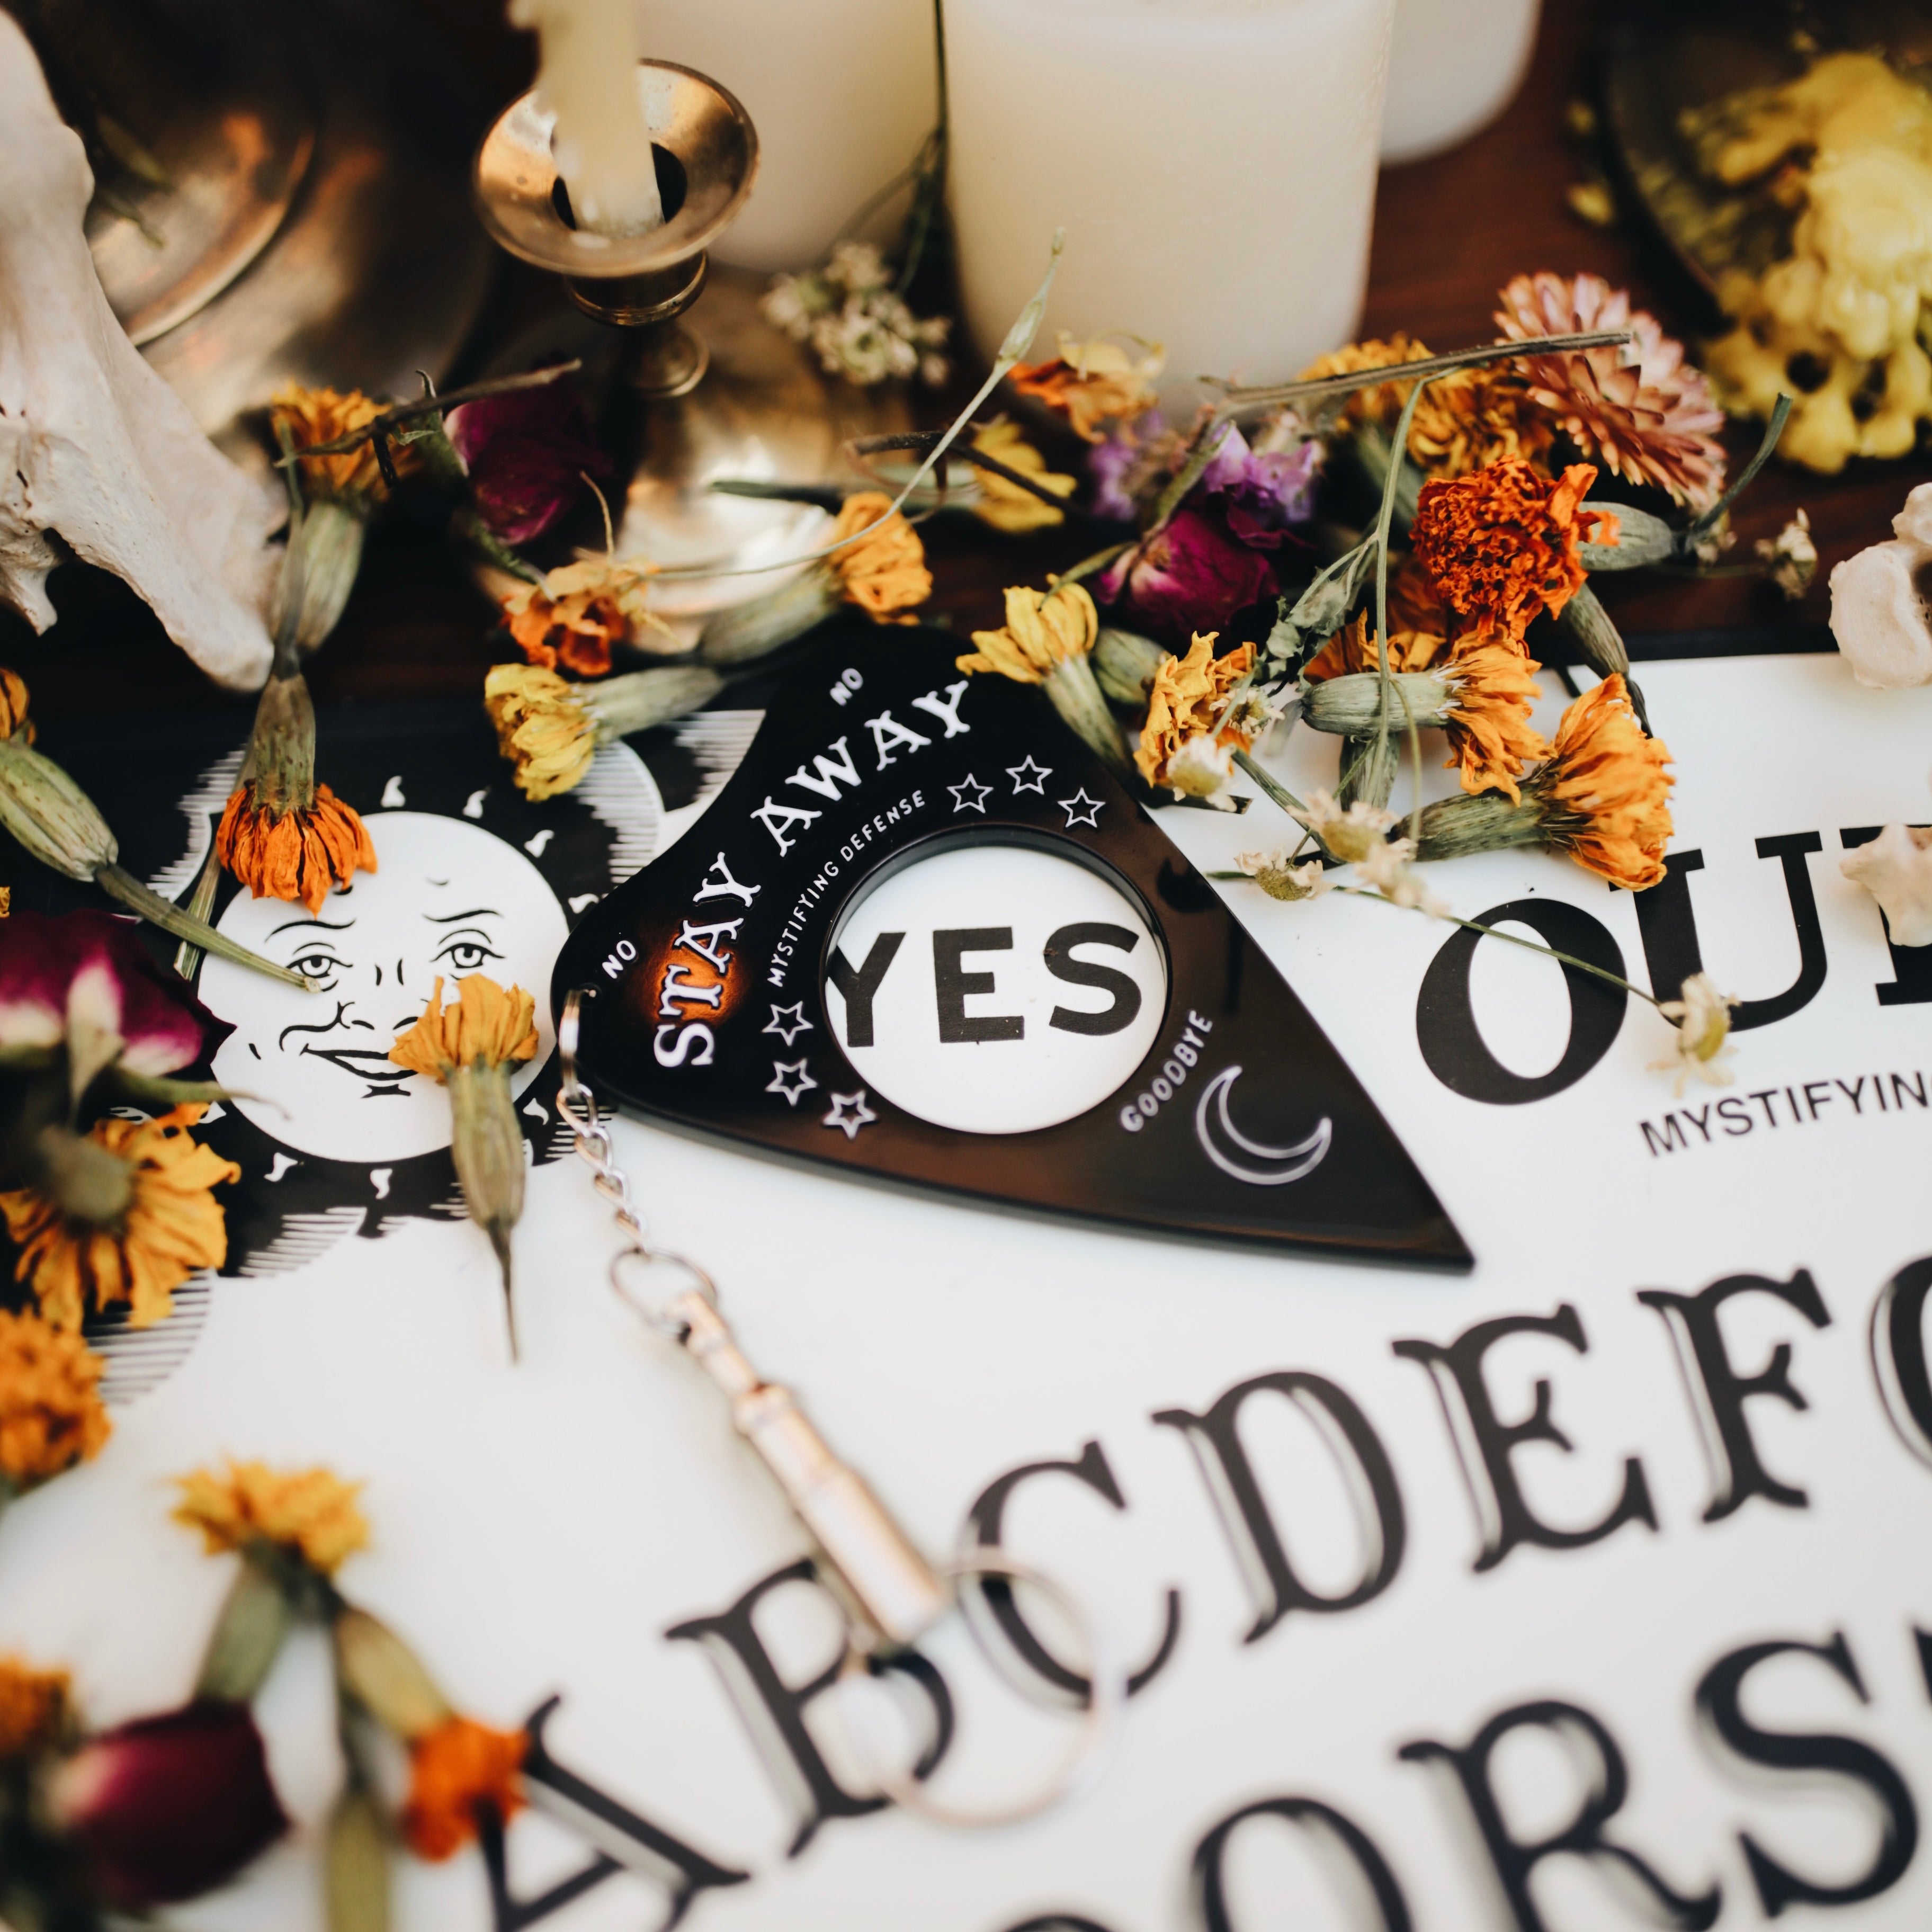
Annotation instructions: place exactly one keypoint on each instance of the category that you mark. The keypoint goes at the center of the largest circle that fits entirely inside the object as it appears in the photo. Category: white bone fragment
(95, 446)
(1879, 611)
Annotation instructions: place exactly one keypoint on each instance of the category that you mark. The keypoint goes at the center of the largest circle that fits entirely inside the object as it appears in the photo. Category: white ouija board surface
(1583, 1590)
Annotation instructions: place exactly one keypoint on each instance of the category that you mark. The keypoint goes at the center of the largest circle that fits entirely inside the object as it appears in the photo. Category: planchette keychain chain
(891, 1595)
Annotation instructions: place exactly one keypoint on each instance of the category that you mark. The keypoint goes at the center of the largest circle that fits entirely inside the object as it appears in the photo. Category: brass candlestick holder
(739, 400)
(706, 152)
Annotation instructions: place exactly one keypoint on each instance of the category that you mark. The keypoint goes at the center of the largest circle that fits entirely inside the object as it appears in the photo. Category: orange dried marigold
(883, 572)
(1604, 797)
(457, 1770)
(296, 852)
(1491, 740)
(33, 1707)
(1351, 649)
(51, 1414)
(1501, 546)
(1187, 700)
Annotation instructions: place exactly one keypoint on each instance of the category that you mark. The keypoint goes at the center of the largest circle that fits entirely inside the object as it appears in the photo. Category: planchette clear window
(994, 986)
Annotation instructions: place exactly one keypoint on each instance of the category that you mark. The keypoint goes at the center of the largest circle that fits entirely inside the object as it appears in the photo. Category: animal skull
(93, 446)
(1879, 611)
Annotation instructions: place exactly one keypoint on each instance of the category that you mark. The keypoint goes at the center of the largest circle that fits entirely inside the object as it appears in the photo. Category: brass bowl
(705, 129)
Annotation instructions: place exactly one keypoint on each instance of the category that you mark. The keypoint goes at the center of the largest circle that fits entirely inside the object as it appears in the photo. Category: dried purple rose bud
(169, 1806)
(527, 453)
(1191, 577)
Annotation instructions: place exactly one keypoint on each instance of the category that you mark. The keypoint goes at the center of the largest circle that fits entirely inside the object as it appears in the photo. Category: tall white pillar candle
(1455, 66)
(842, 93)
(1212, 161)
(588, 78)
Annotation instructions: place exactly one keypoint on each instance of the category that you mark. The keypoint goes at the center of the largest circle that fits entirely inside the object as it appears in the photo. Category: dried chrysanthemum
(458, 1769)
(1501, 546)
(1091, 384)
(1790, 559)
(311, 1514)
(1048, 639)
(1471, 418)
(1188, 706)
(1703, 1017)
(34, 1708)
(1003, 503)
(1351, 833)
(283, 834)
(468, 1047)
(1602, 796)
(579, 611)
(1644, 412)
(313, 416)
(1280, 878)
(51, 1413)
(165, 1226)
(1896, 869)
(550, 729)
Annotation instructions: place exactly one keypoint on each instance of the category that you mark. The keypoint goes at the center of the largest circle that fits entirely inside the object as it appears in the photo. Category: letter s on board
(694, 1037)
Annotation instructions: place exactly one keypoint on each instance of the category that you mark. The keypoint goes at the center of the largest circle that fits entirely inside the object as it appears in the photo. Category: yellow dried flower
(1004, 505)
(33, 1707)
(14, 721)
(1092, 383)
(486, 1027)
(1382, 403)
(1185, 704)
(1491, 738)
(311, 1513)
(884, 571)
(1703, 1015)
(322, 416)
(1604, 797)
(541, 728)
(1043, 628)
(171, 1226)
(51, 1414)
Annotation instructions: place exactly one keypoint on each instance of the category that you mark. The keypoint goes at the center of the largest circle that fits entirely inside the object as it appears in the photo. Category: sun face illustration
(448, 899)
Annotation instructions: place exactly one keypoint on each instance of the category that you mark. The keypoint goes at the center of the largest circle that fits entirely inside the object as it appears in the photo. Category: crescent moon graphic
(1288, 1163)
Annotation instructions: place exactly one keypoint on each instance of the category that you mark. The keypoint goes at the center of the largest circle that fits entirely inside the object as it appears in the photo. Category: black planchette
(707, 970)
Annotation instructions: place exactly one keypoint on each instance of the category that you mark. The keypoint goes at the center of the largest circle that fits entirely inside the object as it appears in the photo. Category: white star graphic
(856, 1119)
(1080, 810)
(787, 1030)
(789, 1088)
(1027, 776)
(970, 795)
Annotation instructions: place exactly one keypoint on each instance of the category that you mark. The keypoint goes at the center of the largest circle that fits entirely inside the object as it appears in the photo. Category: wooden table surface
(1448, 233)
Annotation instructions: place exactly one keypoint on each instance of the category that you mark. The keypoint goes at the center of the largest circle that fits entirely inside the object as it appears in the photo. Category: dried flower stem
(377, 427)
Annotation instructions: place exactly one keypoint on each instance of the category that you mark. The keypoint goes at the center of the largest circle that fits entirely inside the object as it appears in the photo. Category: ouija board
(1579, 1581)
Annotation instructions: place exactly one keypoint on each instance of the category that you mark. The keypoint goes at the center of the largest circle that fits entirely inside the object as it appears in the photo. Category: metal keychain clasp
(891, 1594)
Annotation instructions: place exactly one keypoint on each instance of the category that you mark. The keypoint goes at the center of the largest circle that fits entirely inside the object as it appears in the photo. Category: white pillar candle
(588, 78)
(842, 93)
(1212, 161)
(1456, 64)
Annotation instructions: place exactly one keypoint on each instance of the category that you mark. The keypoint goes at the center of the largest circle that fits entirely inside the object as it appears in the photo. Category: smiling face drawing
(449, 899)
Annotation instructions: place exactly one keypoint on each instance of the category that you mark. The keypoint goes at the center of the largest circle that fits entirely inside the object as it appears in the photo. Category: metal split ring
(1093, 1743)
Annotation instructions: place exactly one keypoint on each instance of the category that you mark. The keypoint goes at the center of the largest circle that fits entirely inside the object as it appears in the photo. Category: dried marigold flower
(313, 416)
(1185, 704)
(171, 1227)
(310, 1513)
(883, 572)
(1650, 418)
(1604, 797)
(1351, 649)
(579, 611)
(550, 729)
(486, 1027)
(51, 1413)
(1003, 503)
(282, 834)
(455, 1771)
(1381, 403)
(1491, 740)
(33, 1708)
(1093, 383)
(1043, 628)
(1501, 546)
(1471, 418)
(13, 720)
